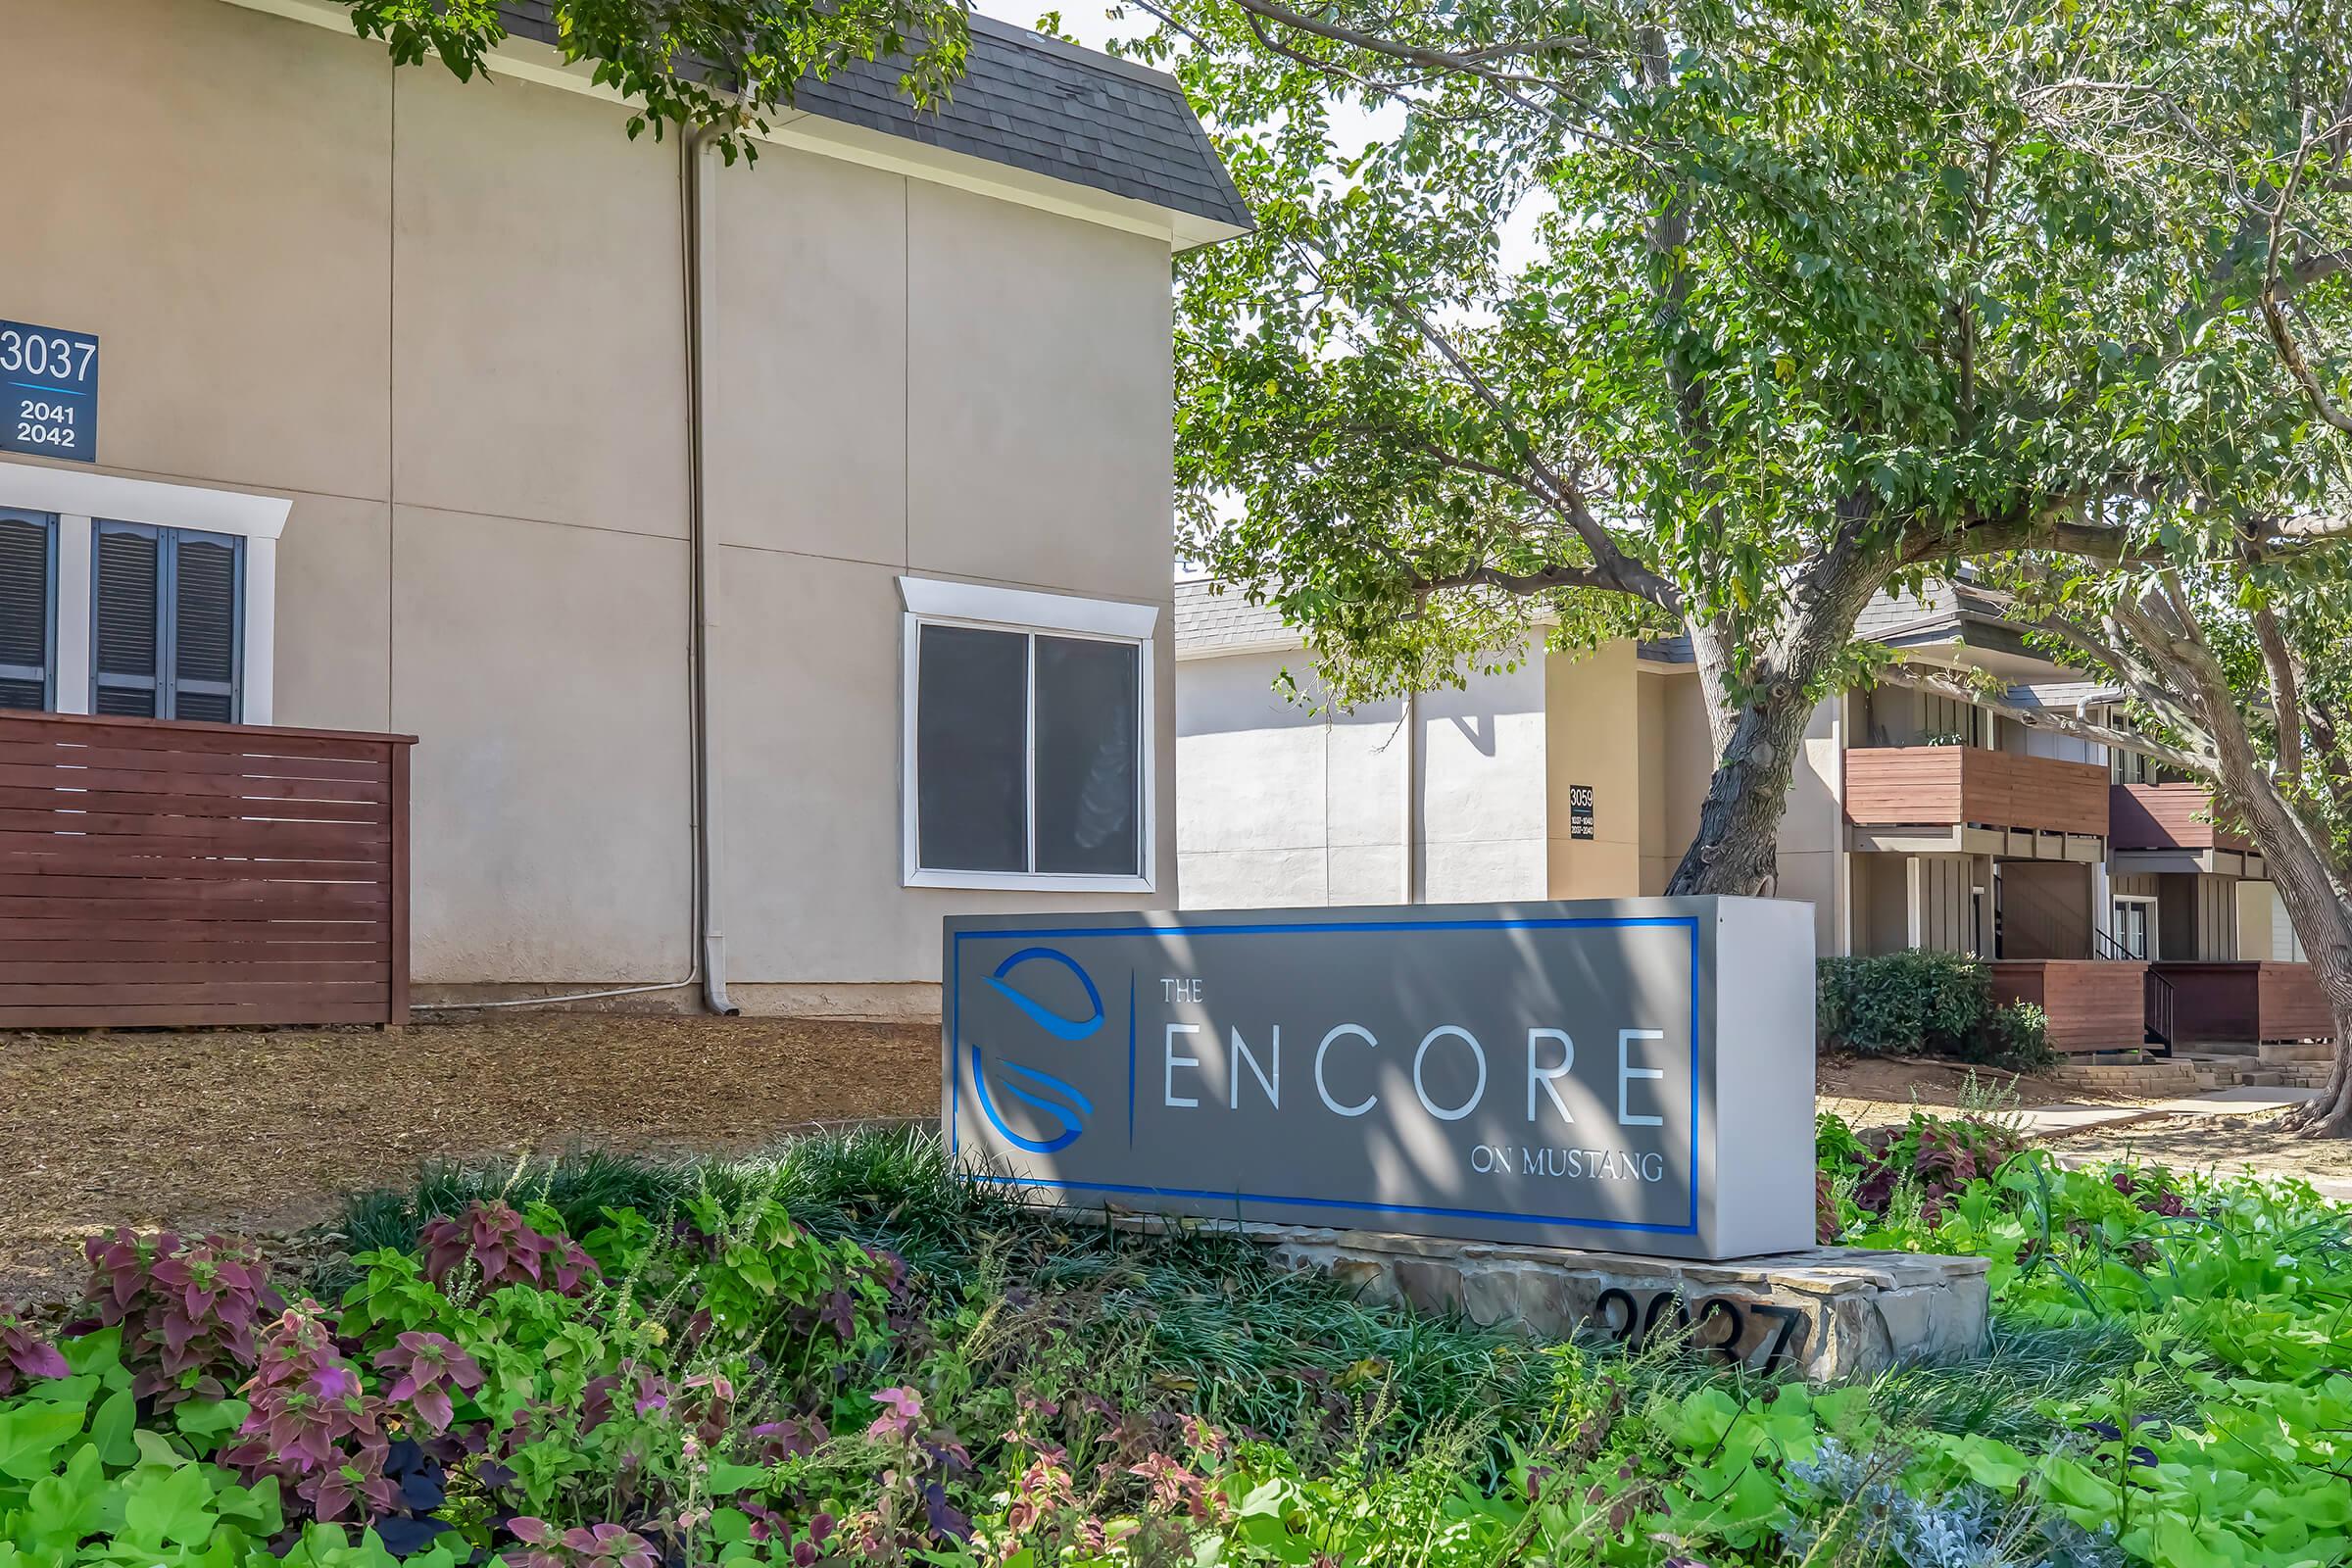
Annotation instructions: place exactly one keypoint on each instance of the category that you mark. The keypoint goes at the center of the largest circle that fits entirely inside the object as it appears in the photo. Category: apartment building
(2096, 885)
(767, 560)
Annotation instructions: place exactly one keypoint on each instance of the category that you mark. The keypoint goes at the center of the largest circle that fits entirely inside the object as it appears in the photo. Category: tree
(721, 67)
(2235, 665)
(1825, 296)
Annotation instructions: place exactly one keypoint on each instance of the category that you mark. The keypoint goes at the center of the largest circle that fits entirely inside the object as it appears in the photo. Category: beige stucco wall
(2263, 931)
(1604, 727)
(1293, 802)
(448, 320)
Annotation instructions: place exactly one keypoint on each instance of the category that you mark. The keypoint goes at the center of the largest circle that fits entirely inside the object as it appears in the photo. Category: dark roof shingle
(1033, 103)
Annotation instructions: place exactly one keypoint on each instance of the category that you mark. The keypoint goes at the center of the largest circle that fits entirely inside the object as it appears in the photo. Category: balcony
(2168, 816)
(163, 872)
(2169, 827)
(2092, 1004)
(1981, 802)
(2247, 1001)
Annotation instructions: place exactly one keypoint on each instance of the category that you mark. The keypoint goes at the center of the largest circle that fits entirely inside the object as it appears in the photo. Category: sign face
(48, 392)
(1542, 1073)
(1580, 810)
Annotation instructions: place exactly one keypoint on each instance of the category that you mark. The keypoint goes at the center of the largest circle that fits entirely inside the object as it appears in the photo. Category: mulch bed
(265, 1133)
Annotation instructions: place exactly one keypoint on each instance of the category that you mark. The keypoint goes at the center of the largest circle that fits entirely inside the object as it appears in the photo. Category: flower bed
(844, 1354)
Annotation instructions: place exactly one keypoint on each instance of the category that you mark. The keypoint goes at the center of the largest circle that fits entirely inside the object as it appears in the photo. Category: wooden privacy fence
(156, 871)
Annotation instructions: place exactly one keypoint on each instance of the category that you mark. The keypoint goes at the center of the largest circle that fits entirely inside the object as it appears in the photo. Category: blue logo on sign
(1070, 1108)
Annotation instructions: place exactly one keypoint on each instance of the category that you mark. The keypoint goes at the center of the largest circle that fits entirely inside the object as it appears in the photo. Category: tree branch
(2286, 700)
(1925, 678)
(1543, 579)
(1474, 63)
(2274, 311)
(1625, 574)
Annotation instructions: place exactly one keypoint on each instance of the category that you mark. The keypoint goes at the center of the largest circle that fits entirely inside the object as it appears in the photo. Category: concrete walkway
(2107, 1132)
(2239, 1100)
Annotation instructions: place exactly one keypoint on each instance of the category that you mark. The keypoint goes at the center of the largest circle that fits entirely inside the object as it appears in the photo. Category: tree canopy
(721, 67)
(1819, 297)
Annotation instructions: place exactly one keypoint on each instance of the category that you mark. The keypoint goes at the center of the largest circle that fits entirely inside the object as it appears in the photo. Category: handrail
(2160, 997)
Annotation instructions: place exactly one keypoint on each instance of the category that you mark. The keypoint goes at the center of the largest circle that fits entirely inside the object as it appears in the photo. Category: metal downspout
(701, 159)
(1410, 831)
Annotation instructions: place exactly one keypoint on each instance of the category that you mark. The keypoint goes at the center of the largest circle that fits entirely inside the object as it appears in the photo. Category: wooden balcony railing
(2167, 816)
(163, 872)
(1904, 786)
(2246, 1001)
(2091, 1003)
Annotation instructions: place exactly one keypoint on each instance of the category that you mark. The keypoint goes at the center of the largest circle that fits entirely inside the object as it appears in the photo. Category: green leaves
(32, 1433)
(1910, 277)
(718, 66)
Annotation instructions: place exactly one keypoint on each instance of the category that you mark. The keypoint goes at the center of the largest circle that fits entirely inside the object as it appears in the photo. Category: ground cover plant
(843, 1352)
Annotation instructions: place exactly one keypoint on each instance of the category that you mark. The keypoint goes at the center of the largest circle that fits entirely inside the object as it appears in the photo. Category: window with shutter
(165, 623)
(28, 609)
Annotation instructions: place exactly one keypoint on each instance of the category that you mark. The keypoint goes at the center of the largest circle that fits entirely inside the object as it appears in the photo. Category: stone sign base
(1828, 1313)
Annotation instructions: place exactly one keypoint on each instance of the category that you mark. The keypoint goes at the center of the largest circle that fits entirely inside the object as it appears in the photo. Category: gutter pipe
(702, 288)
(709, 949)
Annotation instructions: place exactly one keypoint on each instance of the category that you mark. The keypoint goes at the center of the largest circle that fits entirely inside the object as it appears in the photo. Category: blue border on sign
(1688, 924)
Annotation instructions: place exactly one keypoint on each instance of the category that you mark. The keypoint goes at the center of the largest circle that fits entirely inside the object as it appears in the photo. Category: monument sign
(1632, 1075)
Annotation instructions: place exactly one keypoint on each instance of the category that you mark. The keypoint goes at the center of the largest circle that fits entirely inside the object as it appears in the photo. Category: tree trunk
(1736, 848)
(2323, 923)
(2321, 919)
(2299, 865)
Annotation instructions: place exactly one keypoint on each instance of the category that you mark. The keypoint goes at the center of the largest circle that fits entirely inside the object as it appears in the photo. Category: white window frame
(76, 499)
(935, 601)
(2148, 903)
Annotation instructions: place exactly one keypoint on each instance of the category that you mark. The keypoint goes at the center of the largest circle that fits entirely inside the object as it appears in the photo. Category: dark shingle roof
(1211, 618)
(1033, 103)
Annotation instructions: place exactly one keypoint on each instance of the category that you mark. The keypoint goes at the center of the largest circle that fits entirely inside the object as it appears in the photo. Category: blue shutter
(127, 619)
(167, 622)
(28, 609)
(204, 619)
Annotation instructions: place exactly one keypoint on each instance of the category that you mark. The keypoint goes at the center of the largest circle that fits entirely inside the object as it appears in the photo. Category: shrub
(2017, 1037)
(1903, 1003)
(1919, 1003)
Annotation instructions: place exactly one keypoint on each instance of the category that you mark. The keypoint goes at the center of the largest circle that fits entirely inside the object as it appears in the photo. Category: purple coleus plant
(26, 1354)
(503, 1248)
(602, 1545)
(312, 1424)
(188, 1310)
(428, 1371)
